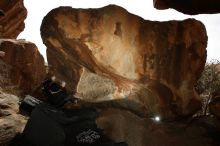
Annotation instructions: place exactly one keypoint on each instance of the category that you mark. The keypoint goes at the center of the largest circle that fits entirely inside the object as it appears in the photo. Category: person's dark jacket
(56, 95)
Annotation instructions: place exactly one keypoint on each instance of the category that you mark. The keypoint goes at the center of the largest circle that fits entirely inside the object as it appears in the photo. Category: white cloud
(144, 8)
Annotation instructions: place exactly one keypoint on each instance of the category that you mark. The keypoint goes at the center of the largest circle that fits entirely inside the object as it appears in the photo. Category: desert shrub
(208, 84)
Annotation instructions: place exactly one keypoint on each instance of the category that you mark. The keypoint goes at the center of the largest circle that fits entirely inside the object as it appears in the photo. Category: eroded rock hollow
(153, 63)
(12, 16)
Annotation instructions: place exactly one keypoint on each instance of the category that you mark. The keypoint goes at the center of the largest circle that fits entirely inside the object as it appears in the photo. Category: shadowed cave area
(138, 74)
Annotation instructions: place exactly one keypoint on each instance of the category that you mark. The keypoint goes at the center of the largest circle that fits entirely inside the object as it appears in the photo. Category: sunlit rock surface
(191, 7)
(12, 16)
(25, 64)
(154, 63)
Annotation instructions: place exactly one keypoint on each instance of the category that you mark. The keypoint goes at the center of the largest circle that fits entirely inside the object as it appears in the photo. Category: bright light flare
(157, 119)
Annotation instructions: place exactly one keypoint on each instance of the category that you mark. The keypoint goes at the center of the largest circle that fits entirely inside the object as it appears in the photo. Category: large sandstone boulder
(12, 16)
(154, 63)
(26, 67)
(191, 7)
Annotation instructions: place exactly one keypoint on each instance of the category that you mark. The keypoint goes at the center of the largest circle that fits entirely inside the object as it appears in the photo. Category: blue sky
(37, 9)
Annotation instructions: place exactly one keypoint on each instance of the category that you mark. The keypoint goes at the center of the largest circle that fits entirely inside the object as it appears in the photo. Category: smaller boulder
(27, 67)
(11, 123)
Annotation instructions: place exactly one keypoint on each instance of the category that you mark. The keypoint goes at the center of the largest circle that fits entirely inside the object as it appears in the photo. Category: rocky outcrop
(214, 106)
(191, 7)
(64, 69)
(155, 63)
(121, 125)
(13, 14)
(11, 123)
(25, 63)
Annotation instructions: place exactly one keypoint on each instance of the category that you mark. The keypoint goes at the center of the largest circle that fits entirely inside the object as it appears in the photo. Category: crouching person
(52, 125)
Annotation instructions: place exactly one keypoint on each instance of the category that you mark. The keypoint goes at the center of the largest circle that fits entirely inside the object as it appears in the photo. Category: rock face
(13, 14)
(64, 69)
(5, 70)
(214, 106)
(155, 63)
(121, 125)
(191, 7)
(11, 123)
(26, 64)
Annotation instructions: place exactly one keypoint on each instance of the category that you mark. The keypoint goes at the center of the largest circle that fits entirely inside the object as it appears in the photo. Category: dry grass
(93, 87)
